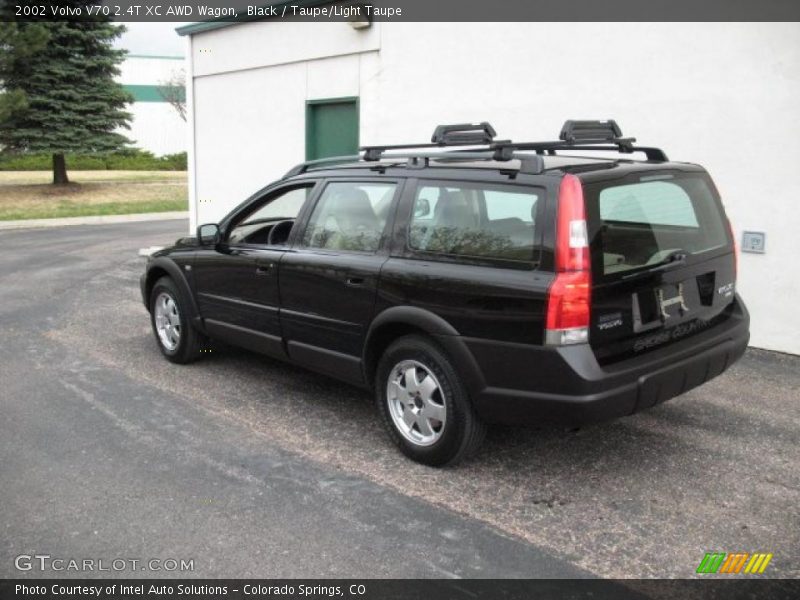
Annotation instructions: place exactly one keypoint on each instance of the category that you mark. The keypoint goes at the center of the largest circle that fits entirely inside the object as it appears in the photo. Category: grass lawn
(30, 195)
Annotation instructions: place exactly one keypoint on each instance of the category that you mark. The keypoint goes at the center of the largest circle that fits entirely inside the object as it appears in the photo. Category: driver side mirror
(208, 234)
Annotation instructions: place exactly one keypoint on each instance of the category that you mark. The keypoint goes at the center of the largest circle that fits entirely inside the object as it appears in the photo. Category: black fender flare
(174, 271)
(411, 315)
(437, 327)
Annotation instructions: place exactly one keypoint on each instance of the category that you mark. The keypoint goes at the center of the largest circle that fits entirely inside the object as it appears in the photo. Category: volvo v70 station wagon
(471, 280)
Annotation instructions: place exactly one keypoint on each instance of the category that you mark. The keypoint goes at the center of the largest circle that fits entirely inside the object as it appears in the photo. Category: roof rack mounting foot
(372, 153)
(417, 162)
(530, 164)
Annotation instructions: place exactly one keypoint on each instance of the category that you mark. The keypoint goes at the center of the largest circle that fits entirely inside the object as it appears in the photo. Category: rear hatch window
(662, 260)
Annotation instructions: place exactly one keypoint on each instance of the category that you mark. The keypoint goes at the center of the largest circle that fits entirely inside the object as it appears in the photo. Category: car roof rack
(603, 136)
(595, 136)
(582, 135)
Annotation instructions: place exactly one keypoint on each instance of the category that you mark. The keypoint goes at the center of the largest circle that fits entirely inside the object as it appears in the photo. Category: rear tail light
(569, 296)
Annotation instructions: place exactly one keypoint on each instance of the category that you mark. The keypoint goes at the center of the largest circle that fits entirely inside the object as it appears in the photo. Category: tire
(436, 427)
(178, 341)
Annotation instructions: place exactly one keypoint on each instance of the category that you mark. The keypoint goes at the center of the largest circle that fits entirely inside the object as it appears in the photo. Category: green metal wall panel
(331, 127)
(150, 93)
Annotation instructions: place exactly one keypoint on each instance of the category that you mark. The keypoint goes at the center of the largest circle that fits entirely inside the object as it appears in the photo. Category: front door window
(255, 226)
(350, 216)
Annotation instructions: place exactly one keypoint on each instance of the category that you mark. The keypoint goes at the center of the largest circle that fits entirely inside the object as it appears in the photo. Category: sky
(153, 38)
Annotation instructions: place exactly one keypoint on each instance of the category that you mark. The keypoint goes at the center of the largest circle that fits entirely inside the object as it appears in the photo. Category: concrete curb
(95, 220)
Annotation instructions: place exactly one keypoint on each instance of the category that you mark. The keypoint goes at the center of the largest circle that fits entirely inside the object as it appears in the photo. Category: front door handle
(264, 268)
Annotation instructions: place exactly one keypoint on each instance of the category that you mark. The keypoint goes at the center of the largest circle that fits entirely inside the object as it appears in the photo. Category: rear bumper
(534, 385)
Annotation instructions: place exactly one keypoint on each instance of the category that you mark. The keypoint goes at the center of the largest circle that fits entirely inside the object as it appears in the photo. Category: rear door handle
(355, 281)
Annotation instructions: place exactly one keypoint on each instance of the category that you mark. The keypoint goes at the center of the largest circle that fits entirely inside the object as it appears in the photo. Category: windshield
(653, 220)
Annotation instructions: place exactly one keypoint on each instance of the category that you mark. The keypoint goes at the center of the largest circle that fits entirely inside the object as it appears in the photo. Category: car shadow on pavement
(558, 448)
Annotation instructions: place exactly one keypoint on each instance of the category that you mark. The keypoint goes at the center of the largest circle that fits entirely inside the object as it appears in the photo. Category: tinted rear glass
(640, 224)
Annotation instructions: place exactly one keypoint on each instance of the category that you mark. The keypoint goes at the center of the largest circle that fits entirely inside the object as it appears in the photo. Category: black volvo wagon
(471, 280)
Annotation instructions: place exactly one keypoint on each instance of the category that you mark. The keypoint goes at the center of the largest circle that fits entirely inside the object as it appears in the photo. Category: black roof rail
(595, 136)
(320, 162)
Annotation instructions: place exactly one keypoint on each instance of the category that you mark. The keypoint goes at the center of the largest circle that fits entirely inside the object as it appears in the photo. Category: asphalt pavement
(253, 468)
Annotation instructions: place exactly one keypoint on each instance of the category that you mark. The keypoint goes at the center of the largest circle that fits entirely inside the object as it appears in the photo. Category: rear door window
(644, 223)
(483, 221)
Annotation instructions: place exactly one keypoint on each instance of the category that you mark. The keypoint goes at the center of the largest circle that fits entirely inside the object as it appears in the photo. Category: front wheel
(178, 340)
(424, 404)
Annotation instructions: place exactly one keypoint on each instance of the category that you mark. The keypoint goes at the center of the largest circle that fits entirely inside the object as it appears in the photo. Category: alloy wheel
(168, 321)
(416, 402)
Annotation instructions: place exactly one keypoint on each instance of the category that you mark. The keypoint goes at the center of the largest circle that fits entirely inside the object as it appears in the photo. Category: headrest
(353, 202)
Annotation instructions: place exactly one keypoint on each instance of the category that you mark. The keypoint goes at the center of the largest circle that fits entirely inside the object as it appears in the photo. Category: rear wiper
(672, 260)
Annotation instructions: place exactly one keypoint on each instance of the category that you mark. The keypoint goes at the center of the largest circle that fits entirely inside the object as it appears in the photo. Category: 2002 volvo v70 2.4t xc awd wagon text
(471, 280)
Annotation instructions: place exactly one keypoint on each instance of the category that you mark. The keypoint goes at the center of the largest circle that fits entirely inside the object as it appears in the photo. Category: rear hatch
(663, 260)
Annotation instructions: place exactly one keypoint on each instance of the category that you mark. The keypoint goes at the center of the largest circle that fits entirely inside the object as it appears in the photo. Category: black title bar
(211, 12)
(390, 589)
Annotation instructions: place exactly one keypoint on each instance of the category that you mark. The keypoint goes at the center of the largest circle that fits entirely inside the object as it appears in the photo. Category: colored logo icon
(734, 563)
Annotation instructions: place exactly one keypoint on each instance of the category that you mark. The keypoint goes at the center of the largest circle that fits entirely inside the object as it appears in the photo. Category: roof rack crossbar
(621, 145)
(372, 153)
(452, 156)
(530, 163)
(461, 134)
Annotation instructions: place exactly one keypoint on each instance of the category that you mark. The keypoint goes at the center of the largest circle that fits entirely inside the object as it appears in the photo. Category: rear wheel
(178, 340)
(424, 404)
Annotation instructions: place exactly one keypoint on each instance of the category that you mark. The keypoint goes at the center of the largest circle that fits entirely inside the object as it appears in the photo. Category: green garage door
(331, 127)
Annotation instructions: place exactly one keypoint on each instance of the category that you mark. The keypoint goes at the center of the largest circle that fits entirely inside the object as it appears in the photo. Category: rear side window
(641, 224)
(481, 221)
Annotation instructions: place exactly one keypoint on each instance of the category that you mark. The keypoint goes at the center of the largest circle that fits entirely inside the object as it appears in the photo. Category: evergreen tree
(57, 89)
